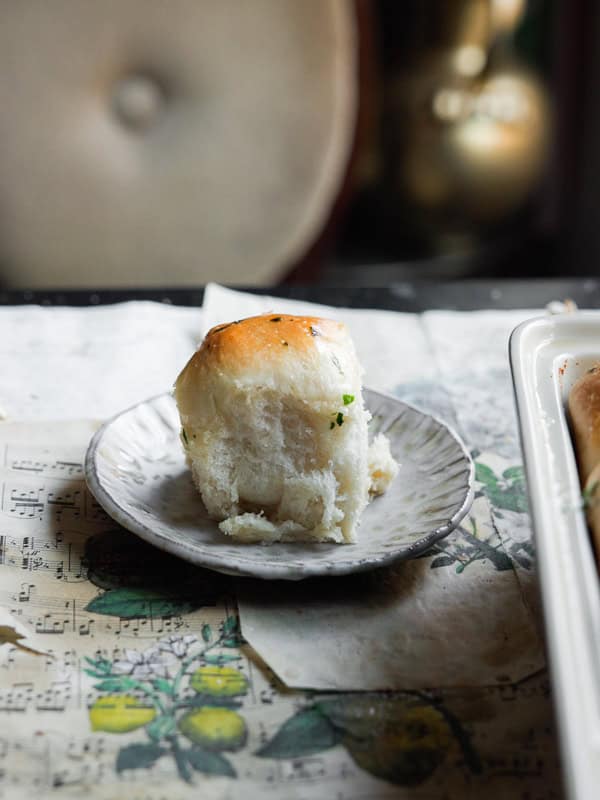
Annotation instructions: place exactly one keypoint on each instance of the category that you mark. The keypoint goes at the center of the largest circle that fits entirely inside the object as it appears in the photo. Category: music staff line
(51, 462)
(61, 555)
(30, 500)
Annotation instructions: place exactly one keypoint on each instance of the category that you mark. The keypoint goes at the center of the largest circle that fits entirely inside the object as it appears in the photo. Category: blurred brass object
(461, 22)
(472, 123)
(506, 14)
(478, 150)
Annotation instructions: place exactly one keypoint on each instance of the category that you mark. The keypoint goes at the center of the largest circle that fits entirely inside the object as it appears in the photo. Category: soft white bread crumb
(275, 429)
(382, 466)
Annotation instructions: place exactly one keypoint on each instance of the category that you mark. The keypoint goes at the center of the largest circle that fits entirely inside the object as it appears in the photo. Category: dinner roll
(584, 411)
(275, 430)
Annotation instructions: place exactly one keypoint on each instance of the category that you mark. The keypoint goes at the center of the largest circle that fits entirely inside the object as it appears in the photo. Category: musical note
(25, 592)
(28, 466)
(267, 695)
(26, 503)
(86, 628)
(303, 769)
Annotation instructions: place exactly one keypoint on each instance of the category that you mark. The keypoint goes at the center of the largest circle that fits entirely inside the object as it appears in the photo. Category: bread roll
(584, 410)
(275, 430)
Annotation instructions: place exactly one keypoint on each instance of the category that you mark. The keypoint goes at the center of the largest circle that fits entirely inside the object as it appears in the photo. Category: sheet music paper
(109, 645)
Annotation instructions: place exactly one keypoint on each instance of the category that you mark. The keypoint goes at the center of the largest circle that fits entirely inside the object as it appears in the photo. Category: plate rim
(287, 570)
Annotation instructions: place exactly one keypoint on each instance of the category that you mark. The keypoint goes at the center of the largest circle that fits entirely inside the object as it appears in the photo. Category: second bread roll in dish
(275, 430)
(584, 410)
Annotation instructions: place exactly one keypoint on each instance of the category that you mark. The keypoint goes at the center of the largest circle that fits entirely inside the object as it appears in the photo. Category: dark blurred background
(478, 147)
(348, 142)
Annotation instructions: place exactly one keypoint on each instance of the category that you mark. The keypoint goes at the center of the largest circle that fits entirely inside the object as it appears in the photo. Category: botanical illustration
(140, 581)
(185, 695)
(507, 491)
(466, 545)
(401, 738)
(507, 495)
(481, 416)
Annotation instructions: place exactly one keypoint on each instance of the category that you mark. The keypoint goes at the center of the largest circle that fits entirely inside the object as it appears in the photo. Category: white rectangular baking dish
(547, 355)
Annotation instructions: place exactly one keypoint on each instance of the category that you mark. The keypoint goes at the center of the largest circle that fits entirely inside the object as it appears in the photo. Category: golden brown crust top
(266, 336)
(308, 357)
(584, 408)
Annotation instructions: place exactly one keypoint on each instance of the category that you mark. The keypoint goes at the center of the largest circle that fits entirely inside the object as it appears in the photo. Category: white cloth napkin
(462, 615)
(71, 363)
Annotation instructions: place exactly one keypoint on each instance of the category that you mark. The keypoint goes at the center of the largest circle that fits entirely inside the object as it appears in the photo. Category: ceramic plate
(136, 469)
(547, 356)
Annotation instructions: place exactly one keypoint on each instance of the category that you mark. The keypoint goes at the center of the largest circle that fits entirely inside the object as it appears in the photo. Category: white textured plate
(136, 469)
(547, 356)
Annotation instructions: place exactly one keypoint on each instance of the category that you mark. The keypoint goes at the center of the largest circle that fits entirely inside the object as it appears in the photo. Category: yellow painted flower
(119, 713)
(215, 728)
(219, 681)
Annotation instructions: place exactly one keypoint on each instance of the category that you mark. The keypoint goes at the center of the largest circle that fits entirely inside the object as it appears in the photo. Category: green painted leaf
(231, 625)
(514, 473)
(307, 732)
(94, 673)
(179, 754)
(206, 633)
(138, 756)
(135, 603)
(209, 763)
(485, 475)
(512, 496)
(120, 684)
(100, 664)
(232, 641)
(442, 561)
(221, 658)
(161, 685)
(512, 499)
(231, 633)
(160, 727)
